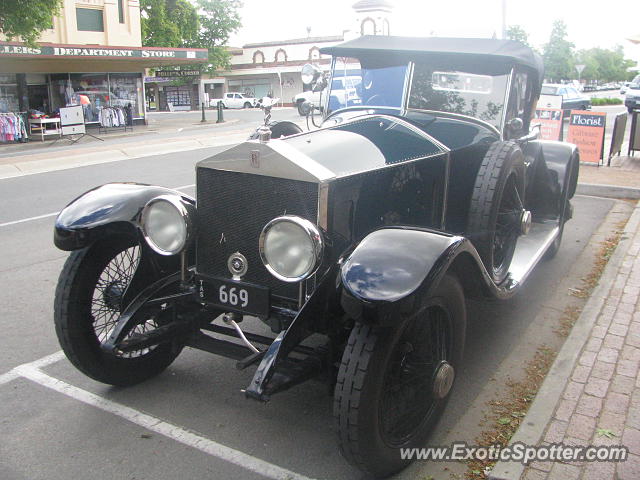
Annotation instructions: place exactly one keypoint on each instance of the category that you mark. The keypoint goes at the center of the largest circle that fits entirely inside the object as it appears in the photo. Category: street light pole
(504, 19)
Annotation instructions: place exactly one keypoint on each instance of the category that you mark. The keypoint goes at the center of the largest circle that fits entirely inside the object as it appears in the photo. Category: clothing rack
(19, 132)
(111, 118)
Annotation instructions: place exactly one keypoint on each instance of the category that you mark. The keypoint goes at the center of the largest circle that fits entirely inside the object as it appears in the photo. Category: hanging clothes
(12, 127)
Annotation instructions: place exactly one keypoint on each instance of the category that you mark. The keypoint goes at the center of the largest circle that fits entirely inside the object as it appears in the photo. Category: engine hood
(364, 144)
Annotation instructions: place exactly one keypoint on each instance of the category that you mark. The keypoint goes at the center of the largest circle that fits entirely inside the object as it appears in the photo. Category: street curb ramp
(544, 405)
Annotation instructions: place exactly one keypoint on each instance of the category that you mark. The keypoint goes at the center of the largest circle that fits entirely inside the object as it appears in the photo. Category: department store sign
(67, 51)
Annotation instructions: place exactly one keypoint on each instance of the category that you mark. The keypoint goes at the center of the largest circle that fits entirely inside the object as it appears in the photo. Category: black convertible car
(356, 243)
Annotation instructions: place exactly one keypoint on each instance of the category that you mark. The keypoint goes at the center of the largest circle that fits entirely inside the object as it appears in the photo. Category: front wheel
(88, 302)
(393, 383)
(247, 105)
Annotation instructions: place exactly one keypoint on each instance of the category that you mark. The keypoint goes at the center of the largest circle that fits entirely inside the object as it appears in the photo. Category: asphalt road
(192, 421)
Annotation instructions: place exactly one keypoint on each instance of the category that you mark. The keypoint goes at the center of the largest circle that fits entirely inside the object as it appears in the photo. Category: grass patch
(607, 247)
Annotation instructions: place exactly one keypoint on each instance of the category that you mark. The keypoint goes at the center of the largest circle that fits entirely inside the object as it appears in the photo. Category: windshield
(450, 90)
(354, 85)
(546, 90)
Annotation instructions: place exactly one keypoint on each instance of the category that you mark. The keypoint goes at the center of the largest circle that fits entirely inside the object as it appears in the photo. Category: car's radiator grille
(232, 209)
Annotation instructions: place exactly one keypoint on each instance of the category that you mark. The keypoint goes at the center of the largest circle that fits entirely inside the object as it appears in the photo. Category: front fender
(110, 208)
(393, 267)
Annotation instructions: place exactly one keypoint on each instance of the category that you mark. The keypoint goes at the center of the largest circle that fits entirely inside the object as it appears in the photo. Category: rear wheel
(88, 302)
(496, 209)
(393, 383)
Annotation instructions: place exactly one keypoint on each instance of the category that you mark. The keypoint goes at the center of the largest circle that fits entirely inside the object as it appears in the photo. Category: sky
(589, 23)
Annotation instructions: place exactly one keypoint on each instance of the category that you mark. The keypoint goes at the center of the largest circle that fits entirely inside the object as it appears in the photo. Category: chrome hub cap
(525, 222)
(443, 381)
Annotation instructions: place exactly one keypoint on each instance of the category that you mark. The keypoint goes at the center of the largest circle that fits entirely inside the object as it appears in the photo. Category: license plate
(235, 296)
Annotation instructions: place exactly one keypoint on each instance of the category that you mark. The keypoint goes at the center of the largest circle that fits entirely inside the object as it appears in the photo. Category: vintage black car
(356, 243)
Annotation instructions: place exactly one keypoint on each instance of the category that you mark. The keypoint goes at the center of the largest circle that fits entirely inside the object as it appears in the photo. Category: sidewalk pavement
(591, 395)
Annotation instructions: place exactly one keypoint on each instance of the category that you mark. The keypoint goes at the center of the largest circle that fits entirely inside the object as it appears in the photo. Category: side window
(563, 92)
(238, 95)
(519, 96)
(336, 84)
(229, 95)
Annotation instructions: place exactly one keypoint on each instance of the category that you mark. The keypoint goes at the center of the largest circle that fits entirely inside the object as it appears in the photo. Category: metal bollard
(220, 115)
(203, 117)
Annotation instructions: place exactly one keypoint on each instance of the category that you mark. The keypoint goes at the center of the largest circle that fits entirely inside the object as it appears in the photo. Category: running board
(530, 249)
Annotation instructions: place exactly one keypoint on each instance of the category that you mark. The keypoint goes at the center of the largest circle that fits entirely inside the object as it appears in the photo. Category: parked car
(632, 98)
(234, 100)
(356, 244)
(341, 86)
(572, 99)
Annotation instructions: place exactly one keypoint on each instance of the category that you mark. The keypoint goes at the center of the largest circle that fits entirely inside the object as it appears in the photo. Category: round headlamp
(291, 248)
(166, 225)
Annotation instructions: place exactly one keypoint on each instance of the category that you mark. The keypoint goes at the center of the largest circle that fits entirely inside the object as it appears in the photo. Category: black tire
(371, 366)
(495, 218)
(87, 304)
(247, 105)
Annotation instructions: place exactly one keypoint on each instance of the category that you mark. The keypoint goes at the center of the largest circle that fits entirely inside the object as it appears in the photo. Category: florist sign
(67, 51)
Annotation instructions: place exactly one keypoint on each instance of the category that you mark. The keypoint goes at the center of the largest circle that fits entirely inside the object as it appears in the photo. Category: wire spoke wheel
(91, 294)
(108, 296)
(507, 224)
(408, 393)
(394, 382)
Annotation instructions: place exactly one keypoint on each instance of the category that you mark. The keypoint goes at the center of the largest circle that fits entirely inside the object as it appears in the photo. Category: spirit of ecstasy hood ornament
(264, 131)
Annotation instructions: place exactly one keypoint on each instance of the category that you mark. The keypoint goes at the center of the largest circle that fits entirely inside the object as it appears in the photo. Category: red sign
(550, 121)
(586, 130)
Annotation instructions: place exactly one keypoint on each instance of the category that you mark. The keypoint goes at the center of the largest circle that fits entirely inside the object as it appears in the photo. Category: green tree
(517, 33)
(218, 19)
(604, 65)
(24, 20)
(169, 23)
(558, 53)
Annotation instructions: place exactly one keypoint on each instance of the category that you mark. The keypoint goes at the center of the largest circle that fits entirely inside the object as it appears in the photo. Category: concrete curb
(544, 405)
(609, 191)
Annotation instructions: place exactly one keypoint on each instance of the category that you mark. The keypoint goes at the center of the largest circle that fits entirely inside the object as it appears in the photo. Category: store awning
(59, 58)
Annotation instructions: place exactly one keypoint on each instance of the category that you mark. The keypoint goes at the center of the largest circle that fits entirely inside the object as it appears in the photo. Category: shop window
(91, 90)
(126, 89)
(8, 93)
(178, 96)
(89, 20)
(121, 11)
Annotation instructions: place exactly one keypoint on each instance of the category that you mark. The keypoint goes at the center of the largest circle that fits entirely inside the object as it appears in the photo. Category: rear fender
(553, 175)
(113, 208)
(392, 268)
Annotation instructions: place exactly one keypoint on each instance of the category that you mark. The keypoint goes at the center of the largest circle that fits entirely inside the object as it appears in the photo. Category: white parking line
(31, 371)
(7, 377)
(47, 215)
(23, 220)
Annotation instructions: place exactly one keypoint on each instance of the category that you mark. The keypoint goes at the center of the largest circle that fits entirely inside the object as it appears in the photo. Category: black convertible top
(472, 50)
